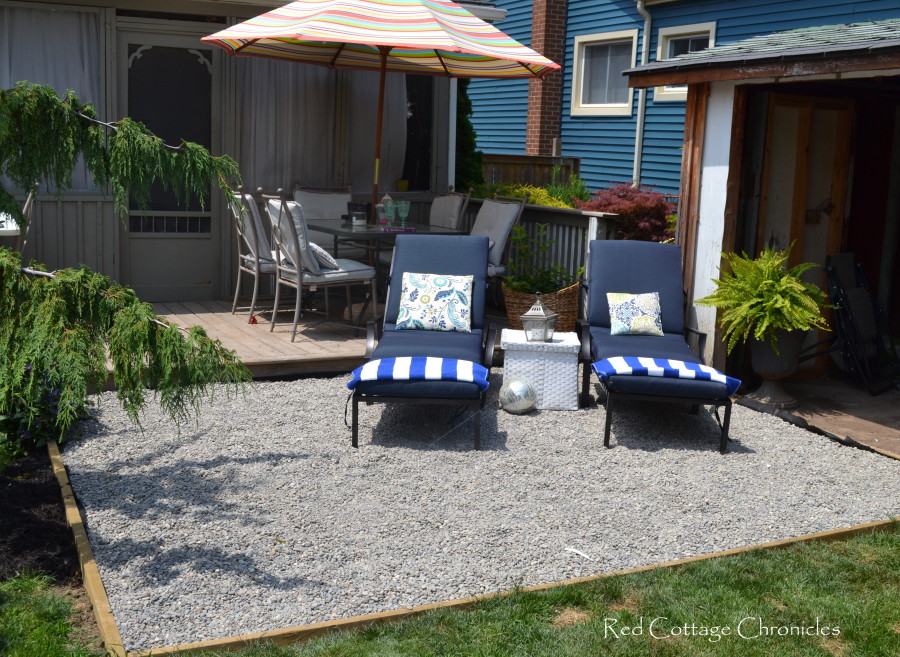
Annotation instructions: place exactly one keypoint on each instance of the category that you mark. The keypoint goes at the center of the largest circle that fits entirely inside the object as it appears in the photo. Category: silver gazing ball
(517, 395)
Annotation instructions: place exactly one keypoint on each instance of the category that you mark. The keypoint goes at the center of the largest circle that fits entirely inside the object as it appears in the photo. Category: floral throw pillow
(435, 302)
(634, 314)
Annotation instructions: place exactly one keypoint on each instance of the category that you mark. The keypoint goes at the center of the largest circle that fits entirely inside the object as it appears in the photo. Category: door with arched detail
(171, 250)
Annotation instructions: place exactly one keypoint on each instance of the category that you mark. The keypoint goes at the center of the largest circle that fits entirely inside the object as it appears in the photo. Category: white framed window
(679, 40)
(598, 86)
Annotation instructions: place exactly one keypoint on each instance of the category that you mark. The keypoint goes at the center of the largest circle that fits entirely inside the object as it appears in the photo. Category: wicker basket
(564, 303)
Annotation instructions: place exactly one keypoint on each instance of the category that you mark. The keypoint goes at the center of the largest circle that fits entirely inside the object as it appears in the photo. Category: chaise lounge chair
(614, 336)
(413, 329)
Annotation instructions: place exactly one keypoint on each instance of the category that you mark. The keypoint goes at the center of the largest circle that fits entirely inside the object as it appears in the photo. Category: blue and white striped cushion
(421, 368)
(664, 367)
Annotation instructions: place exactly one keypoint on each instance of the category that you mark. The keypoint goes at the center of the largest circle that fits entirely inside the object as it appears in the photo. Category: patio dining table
(379, 236)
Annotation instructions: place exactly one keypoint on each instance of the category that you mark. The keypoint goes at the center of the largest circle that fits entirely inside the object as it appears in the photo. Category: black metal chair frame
(373, 334)
(848, 337)
(584, 331)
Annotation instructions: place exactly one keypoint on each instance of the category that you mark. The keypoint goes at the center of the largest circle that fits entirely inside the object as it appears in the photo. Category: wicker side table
(551, 367)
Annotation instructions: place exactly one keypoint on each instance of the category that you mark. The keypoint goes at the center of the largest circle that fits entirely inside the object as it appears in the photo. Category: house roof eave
(809, 51)
(750, 68)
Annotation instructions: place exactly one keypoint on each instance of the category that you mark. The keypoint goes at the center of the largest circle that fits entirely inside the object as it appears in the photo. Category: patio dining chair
(434, 321)
(635, 310)
(326, 203)
(255, 256)
(447, 211)
(303, 265)
(495, 220)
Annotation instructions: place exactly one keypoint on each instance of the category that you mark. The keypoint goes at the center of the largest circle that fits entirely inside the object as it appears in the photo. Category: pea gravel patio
(261, 516)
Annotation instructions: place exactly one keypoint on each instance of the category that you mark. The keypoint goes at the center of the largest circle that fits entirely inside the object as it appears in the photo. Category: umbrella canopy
(434, 37)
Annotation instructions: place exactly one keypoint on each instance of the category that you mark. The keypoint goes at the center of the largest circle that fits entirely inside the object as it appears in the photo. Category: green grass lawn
(840, 598)
(34, 620)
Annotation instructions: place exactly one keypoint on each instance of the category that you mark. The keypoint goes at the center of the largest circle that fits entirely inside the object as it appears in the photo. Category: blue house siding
(605, 144)
(500, 107)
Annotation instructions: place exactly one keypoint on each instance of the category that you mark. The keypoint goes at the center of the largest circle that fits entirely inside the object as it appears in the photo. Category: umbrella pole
(384, 50)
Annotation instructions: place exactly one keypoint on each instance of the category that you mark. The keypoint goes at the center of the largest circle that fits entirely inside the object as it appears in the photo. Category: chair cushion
(673, 346)
(445, 211)
(322, 204)
(444, 344)
(634, 314)
(636, 267)
(435, 302)
(494, 220)
(462, 346)
(266, 266)
(685, 388)
(668, 345)
(348, 271)
(460, 255)
(296, 252)
(420, 389)
(421, 368)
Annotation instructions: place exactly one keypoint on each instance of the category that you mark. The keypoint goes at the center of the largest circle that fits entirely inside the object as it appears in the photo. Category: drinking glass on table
(403, 211)
(390, 209)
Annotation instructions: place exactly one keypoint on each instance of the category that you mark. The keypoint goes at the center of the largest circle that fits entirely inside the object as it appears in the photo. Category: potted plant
(769, 305)
(530, 272)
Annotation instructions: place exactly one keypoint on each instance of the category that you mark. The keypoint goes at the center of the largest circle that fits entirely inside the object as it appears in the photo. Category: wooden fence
(527, 169)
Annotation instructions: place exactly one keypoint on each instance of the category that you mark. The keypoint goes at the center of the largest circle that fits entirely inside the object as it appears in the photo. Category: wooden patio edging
(90, 574)
(112, 639)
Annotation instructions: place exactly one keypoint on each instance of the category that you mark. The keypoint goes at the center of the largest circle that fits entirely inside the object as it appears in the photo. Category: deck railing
(568, 231)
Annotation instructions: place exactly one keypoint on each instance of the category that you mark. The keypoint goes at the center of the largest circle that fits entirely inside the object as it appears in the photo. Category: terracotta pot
(774, 367)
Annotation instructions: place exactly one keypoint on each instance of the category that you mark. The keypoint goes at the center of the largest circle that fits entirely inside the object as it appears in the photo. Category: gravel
(261, 516)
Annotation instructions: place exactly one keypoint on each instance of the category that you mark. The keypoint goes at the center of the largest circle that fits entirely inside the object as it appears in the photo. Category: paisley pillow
(634, 314)
(435, 302)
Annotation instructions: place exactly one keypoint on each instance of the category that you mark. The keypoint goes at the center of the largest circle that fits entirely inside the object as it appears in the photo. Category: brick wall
(548, 37)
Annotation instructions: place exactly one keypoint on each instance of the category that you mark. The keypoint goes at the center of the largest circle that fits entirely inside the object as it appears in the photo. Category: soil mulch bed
(34, 536)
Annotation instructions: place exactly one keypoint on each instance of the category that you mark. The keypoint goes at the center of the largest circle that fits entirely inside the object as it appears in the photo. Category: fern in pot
(530, 272)
(768, 304)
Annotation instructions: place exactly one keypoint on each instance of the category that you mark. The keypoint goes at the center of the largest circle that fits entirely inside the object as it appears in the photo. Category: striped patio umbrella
(434, 37)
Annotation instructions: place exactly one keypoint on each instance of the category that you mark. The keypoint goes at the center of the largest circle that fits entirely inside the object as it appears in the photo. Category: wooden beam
(691, 175)
(801, 185)
(735, 162)
(763, 69)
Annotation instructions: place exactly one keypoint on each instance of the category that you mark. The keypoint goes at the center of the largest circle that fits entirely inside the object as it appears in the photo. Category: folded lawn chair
(623, 327)
(862, 334)
(437, 284)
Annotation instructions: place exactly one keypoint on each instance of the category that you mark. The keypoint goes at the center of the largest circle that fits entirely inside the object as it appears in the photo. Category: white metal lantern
(539, 322)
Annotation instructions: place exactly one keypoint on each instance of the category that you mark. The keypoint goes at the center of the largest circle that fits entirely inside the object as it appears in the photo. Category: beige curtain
(312, 124)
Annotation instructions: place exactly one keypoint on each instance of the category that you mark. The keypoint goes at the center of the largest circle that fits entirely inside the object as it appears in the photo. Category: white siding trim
(711, 223)
(577, 109)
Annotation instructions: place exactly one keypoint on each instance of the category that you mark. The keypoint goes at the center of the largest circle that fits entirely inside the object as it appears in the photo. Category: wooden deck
(320, 347)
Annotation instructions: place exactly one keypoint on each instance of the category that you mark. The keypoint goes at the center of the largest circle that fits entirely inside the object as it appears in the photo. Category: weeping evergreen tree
(59, 330)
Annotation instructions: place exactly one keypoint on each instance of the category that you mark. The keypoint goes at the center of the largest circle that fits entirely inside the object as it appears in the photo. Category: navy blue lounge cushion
(461, 346)
(421, 389)
(669, 345)
(622, 266)
(452, 255)
(687, 388)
